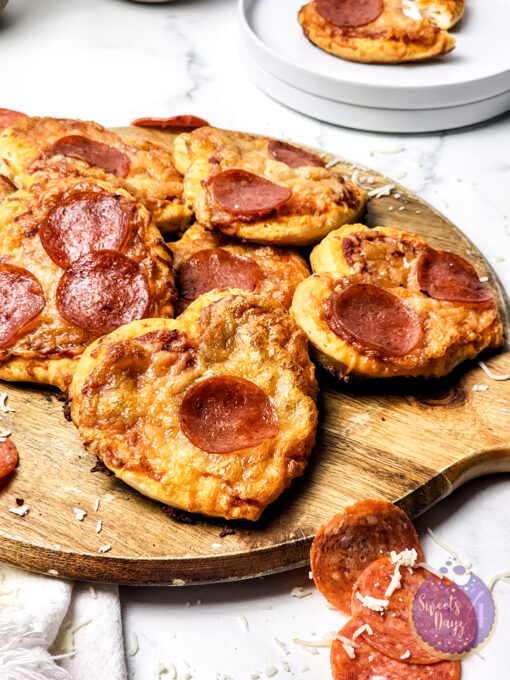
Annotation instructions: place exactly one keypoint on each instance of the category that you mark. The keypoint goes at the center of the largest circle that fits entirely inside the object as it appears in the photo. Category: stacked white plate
(467, 86)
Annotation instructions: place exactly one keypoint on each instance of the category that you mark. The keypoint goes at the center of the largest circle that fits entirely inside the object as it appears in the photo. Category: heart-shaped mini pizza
(213, 412)
(36, 149)
(381, 31)
(78, 258)
(384, 303)
(206, 260)
(263, 190)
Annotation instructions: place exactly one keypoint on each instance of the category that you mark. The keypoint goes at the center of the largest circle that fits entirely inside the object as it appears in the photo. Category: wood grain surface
(409, 441)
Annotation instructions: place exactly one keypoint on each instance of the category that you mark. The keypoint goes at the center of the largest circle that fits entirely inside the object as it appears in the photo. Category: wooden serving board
(408, 441)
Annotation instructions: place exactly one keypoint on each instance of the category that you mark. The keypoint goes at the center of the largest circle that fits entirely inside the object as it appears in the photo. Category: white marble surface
(113, 60)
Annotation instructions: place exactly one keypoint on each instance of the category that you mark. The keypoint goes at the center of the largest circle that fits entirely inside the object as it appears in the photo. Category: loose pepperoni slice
(8, 458)
(350, 13)
(185, 122)
(8, 117)
(293, 156)
(96, 153)
(374, 319)
(392, 634)
(446, 276)
(21, 301)
(84, 222)
(242, 192)
(102, 291)
(369, 664)
(354, 538)
(225, 414)
(217, 268)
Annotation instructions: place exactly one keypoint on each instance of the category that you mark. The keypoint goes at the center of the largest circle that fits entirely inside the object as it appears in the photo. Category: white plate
(477, 69)
(377, 119)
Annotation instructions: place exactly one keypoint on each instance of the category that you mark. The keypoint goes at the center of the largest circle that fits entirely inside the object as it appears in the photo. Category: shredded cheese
(480, 388)
(467, 566)
(385, 190)
(20, 511)
(362, 629)
(79, 514)
(488, 372)
(244, 622)
(92, 592)
(105, 548)
(372, 602)
(433, 570)
(99, 526)
(397, 149)
(300, 592)
(96, 504)
(3, 406)
(505, 577)
(270, 671)
(135, 647)
(406, 654)
(282, 646)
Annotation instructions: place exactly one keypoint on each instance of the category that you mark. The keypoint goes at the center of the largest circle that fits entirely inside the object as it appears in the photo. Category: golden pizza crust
(26, 158)
(281, 269)
(128, 387)
(47, 351)
(387, 257)
(442, 13)
(322, 199)
(392, 38)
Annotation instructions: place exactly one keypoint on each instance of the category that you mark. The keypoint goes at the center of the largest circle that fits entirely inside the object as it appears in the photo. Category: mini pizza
(36, 149)
(213, 412)
(353, 658)
(383, 303)
(354, 538)
(374, 31)
(263, 190)
(206, 260)
(442, 13)
(376, 602)
(78, 258)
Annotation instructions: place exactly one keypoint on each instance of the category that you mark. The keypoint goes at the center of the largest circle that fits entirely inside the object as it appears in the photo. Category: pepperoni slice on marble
(184, 122)
(101, 155)
(293, 156)
(217, 268)
(354, 538)
(21, 301)
(8, 458)
(225, 413)
(370, 664)
(241, 192)
(446, 276)
(102, 291)
(8, 117)
(374, 319)
(392, 633)
(84, 222)
(350, 13)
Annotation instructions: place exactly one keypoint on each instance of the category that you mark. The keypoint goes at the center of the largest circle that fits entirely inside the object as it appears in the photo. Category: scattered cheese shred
(282, 646)
(135, 647)
(3, 406)
(99, 525)
(480, 388)
(96, 504)
(385, 190)
(4, 434)
(300, 592)
(484, 279)
(270, 671)
(397, 149)
(244, 622)
(20, 511)
(406, 654)
(372, 602)
(348, 646)
(429, 567)
(362, 629)
(467, 566)
(105, 548)
(488, 372)
(79, 514)
(92, 592)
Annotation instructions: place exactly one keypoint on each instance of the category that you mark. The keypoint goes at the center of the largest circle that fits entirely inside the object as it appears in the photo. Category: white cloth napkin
(52, 629)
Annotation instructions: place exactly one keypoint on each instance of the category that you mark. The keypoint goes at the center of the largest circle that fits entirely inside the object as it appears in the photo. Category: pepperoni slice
(446, 276)
(8, 117)
(84, 222)
(369, 664)
(353, 539)
(21, 301)
(102, 291)
(8, 458)
(225, 414)
(392, 634)
(350, 13)
(293, 156)
(217, 268)
(374, 319)
(185, 122)
(242, 192)
(96, 153)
